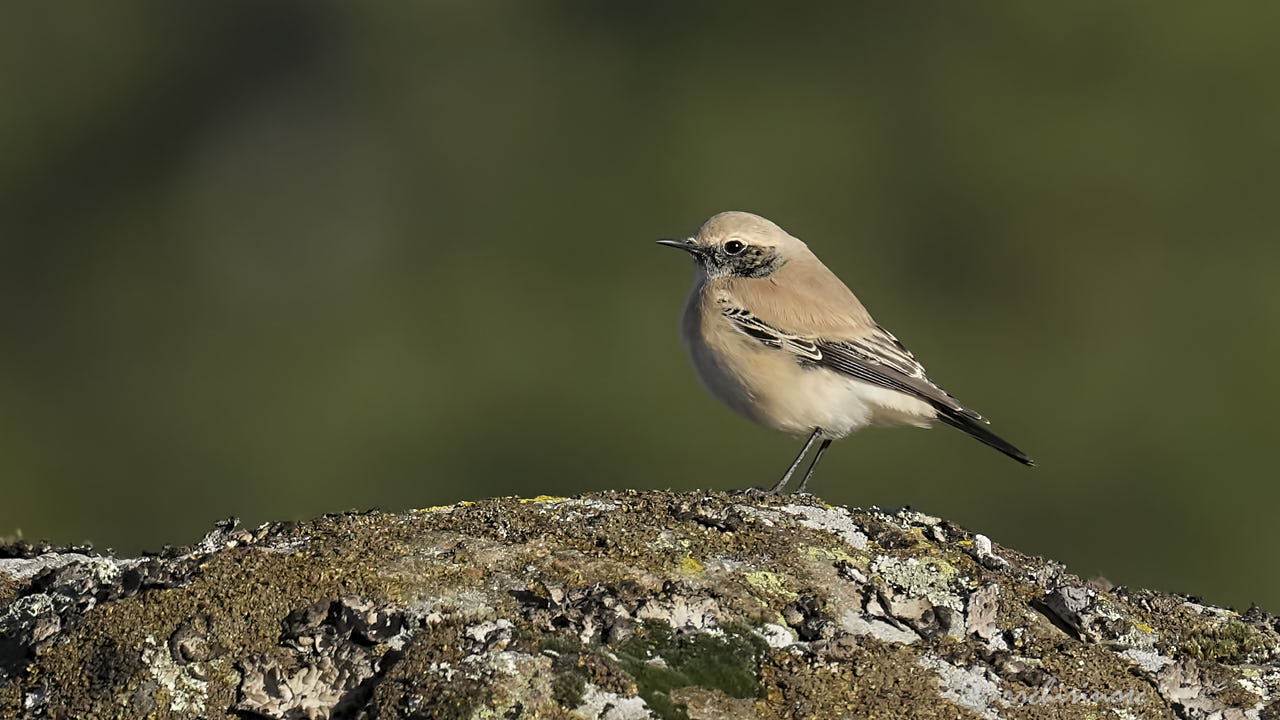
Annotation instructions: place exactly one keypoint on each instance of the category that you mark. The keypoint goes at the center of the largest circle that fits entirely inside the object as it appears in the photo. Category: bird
(776, 336)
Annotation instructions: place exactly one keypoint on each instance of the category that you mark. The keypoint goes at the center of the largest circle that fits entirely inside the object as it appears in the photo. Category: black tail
(980, 431)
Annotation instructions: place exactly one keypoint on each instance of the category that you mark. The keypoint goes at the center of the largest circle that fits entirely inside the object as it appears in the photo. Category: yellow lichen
(541, 499)
(689, 566)
(771, 583)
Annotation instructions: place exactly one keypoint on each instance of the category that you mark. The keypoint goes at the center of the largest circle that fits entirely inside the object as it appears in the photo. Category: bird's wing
(805, 310)
(745, 322)
(877, 357)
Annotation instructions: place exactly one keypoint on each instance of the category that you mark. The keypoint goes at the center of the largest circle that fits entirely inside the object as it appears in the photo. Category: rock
(983, 609)
(613, 606)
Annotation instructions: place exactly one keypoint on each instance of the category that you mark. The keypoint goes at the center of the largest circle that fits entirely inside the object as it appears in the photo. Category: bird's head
(739, 244)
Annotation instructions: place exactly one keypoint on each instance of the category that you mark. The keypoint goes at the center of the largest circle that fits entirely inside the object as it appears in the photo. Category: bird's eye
(733, 247)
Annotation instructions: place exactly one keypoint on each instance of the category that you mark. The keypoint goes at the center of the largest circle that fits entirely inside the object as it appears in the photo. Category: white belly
(839, 405)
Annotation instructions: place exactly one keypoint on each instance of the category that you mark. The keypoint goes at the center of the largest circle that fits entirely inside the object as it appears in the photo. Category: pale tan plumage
(779, 338)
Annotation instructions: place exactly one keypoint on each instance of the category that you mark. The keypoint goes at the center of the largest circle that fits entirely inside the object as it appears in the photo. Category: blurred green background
(281, 259)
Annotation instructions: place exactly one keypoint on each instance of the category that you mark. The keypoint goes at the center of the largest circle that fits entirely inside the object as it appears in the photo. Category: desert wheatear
(779, 339)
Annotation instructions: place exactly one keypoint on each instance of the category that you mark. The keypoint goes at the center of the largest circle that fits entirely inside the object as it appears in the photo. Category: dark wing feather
(771, 336)
(985, 436)
(881, 360)
(890, 367)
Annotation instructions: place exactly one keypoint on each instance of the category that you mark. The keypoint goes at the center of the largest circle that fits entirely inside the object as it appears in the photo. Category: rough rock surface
(614, 606)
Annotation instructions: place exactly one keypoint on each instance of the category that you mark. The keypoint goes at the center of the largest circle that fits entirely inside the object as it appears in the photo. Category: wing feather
(878, 358)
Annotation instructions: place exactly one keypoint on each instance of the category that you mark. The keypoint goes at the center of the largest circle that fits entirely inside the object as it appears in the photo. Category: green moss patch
(661, 661)
(1232, 644)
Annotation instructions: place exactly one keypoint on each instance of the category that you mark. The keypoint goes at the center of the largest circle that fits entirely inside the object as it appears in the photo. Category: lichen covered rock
(613, 606)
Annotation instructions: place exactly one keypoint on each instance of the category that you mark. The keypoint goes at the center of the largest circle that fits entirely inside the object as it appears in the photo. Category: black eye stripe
(752, 261)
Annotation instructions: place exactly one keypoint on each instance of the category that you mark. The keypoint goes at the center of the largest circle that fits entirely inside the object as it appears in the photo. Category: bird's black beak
(685, 244)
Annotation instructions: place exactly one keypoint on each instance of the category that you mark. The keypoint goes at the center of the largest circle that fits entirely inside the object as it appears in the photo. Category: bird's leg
(777, 488)
(817, 456)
